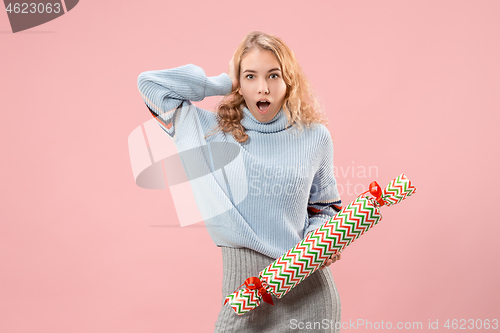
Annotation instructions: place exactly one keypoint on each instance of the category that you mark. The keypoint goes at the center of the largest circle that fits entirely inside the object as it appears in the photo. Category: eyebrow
(252, 71)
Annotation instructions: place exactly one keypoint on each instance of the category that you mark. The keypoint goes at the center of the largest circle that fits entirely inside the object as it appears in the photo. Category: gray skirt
(312, 306)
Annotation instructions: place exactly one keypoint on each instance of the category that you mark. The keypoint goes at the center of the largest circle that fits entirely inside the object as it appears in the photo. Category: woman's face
(261, 84)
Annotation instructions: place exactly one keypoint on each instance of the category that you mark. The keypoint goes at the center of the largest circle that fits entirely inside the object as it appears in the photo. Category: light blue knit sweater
(279, 187)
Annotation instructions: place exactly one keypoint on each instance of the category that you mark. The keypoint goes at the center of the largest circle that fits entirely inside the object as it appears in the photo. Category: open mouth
(263, 106)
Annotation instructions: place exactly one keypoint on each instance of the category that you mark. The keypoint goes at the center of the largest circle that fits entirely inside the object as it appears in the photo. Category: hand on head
(232, 73)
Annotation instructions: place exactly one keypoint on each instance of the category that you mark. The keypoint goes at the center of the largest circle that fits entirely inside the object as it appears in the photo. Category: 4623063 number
(33, 8)
(471, 324)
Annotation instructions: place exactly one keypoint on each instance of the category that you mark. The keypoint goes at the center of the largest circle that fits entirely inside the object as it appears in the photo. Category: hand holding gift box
(306, 257)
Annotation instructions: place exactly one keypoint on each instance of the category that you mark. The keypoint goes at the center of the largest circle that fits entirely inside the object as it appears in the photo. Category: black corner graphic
(26, 15)
(70, 4)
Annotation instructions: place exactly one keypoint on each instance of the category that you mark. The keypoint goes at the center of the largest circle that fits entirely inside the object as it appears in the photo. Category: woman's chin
(264, 117)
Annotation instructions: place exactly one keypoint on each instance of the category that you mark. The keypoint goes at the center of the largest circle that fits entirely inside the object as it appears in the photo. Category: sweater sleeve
(167, 93)
(324, 200)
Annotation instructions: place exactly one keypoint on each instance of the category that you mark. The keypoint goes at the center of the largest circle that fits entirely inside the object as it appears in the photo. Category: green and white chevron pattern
(306, 257)
(244, 300)
(397, 190)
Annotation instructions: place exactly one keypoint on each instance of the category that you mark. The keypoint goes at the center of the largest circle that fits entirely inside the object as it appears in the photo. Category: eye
(249, 76)
(274, 76)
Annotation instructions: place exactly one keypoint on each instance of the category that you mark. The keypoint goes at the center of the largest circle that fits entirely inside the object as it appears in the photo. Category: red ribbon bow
(376, 191)
(254, 283)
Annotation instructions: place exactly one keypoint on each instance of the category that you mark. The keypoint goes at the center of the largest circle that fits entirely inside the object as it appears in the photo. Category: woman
(280, 186)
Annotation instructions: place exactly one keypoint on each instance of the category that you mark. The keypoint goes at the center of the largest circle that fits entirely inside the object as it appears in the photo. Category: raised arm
(167, 92)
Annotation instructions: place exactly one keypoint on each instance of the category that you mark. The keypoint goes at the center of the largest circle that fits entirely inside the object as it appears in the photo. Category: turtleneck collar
(277, 124)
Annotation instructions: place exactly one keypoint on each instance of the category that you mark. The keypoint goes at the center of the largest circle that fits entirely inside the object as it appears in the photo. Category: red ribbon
(254, 283)
(376, 191)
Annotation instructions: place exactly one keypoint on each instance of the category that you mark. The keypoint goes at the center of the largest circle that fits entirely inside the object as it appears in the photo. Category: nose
(263, 88)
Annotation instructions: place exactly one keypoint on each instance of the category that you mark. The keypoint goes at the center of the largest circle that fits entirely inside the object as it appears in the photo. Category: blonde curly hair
(300, 104)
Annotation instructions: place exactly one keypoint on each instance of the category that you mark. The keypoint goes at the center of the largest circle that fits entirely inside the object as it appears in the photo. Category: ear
(239, 91)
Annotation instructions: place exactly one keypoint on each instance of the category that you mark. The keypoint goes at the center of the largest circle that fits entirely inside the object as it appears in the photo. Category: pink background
(408, 86)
